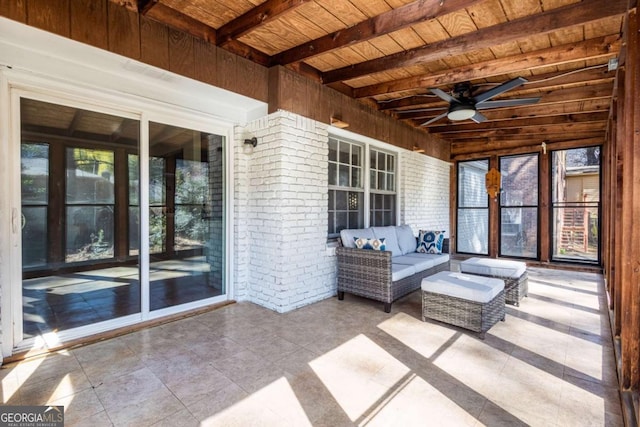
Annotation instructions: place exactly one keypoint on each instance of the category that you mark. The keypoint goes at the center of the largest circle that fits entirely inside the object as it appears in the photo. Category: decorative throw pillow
(430, 242)
(374, 244)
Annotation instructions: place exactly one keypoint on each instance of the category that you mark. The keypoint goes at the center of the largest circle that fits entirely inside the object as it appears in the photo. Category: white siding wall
(282, 261)
(425, 192)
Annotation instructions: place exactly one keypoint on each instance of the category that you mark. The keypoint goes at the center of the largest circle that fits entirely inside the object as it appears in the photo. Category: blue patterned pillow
(430, 242)
(373, 244)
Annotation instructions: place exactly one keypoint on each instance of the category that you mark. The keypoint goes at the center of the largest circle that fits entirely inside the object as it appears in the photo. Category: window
(348, 190)
(519, 206)
(473, 208)
(575, 197)
(382, 170)
(90, 204)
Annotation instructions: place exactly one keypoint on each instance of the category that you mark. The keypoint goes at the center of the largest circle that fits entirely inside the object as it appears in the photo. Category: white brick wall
(281, 258)
(281, 213)
(425, 192)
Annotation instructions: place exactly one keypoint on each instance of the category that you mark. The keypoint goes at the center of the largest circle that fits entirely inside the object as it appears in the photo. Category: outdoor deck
(345, 363)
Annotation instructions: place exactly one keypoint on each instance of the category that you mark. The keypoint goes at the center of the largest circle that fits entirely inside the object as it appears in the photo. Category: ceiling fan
(463, 105)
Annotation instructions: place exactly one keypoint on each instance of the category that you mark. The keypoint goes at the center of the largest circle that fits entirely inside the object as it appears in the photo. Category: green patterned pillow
(373, 244)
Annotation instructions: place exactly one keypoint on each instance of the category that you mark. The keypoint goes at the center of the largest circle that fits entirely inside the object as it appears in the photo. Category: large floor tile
(344, 363)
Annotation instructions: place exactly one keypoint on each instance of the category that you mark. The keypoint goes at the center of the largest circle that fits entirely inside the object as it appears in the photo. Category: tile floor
(338, 363)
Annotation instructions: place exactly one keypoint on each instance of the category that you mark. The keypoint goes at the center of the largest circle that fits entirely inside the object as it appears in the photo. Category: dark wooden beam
(558, 109)
(145, 5)
(77, 116)
(255, 17)
(179, 21)
(539, 132)
(385, 23)
(543, 23)
(551, 99)
(476, 149)
(241, 49)
(589, 76)
(630, 199)
(520, 123)
(600, 47)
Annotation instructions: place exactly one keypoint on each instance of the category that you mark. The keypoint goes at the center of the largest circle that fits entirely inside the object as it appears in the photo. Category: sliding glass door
(76, 269)
(83, 217)
(185, 215)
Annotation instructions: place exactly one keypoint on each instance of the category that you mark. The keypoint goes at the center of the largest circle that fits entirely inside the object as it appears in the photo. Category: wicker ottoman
(514, 273)
(471, 302)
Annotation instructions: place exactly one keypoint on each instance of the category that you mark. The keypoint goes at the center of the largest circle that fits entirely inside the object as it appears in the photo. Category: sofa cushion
(480, 289)
(436, 258)
(391, 239)
(347, 236)
(373, 244)
(494, 267)
(430, 241)
(401, 271)
(406, 239)
(420, 263)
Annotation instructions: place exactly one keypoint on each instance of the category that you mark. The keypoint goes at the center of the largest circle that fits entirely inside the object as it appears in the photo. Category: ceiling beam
(463, 151)
(575, 77)
(575, 107)
(385, 23)
(537, 131)
(255, 17)
(548, 99)
(178, 20)
(600, 47)
(520, 123)
(484, 38)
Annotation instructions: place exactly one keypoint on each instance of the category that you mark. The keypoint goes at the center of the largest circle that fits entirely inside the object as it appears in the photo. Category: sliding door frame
(15, 85)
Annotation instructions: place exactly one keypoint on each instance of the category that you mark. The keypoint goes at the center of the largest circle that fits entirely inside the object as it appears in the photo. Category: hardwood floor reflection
(68, 301)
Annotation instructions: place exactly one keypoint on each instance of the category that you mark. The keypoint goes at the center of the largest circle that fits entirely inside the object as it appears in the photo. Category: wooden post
(544, 210)
(494, 217)
(630, 277)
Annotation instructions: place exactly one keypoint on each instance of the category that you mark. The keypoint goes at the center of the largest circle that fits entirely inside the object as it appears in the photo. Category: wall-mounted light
(249, 145)
(337, 122)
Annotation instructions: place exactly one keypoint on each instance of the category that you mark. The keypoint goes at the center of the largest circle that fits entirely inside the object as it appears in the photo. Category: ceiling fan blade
(506, 103)
(421, 110)
(435, 119)
(479, 118)
(485, 96)
(444, 95)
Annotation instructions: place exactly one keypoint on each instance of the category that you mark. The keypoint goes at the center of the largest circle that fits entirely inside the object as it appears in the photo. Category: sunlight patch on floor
(266, 407)
(425, 338)
(358, 374)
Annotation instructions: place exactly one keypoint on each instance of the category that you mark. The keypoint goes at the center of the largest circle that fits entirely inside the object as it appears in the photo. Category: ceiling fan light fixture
(461, 112)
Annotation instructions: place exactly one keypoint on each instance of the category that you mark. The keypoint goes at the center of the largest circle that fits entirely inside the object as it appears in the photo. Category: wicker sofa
(385, 275)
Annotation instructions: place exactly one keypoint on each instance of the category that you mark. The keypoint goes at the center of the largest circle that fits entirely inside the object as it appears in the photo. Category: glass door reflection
(185, 215)
(76, 268)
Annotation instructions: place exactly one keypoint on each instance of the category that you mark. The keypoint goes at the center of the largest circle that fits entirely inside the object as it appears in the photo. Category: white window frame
(369, 143)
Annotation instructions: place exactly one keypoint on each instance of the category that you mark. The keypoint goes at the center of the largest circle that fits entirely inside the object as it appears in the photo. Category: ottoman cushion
(465, 286)
(494, 267)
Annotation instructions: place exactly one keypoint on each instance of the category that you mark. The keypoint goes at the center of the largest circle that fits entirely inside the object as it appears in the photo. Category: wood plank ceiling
(389, 53)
